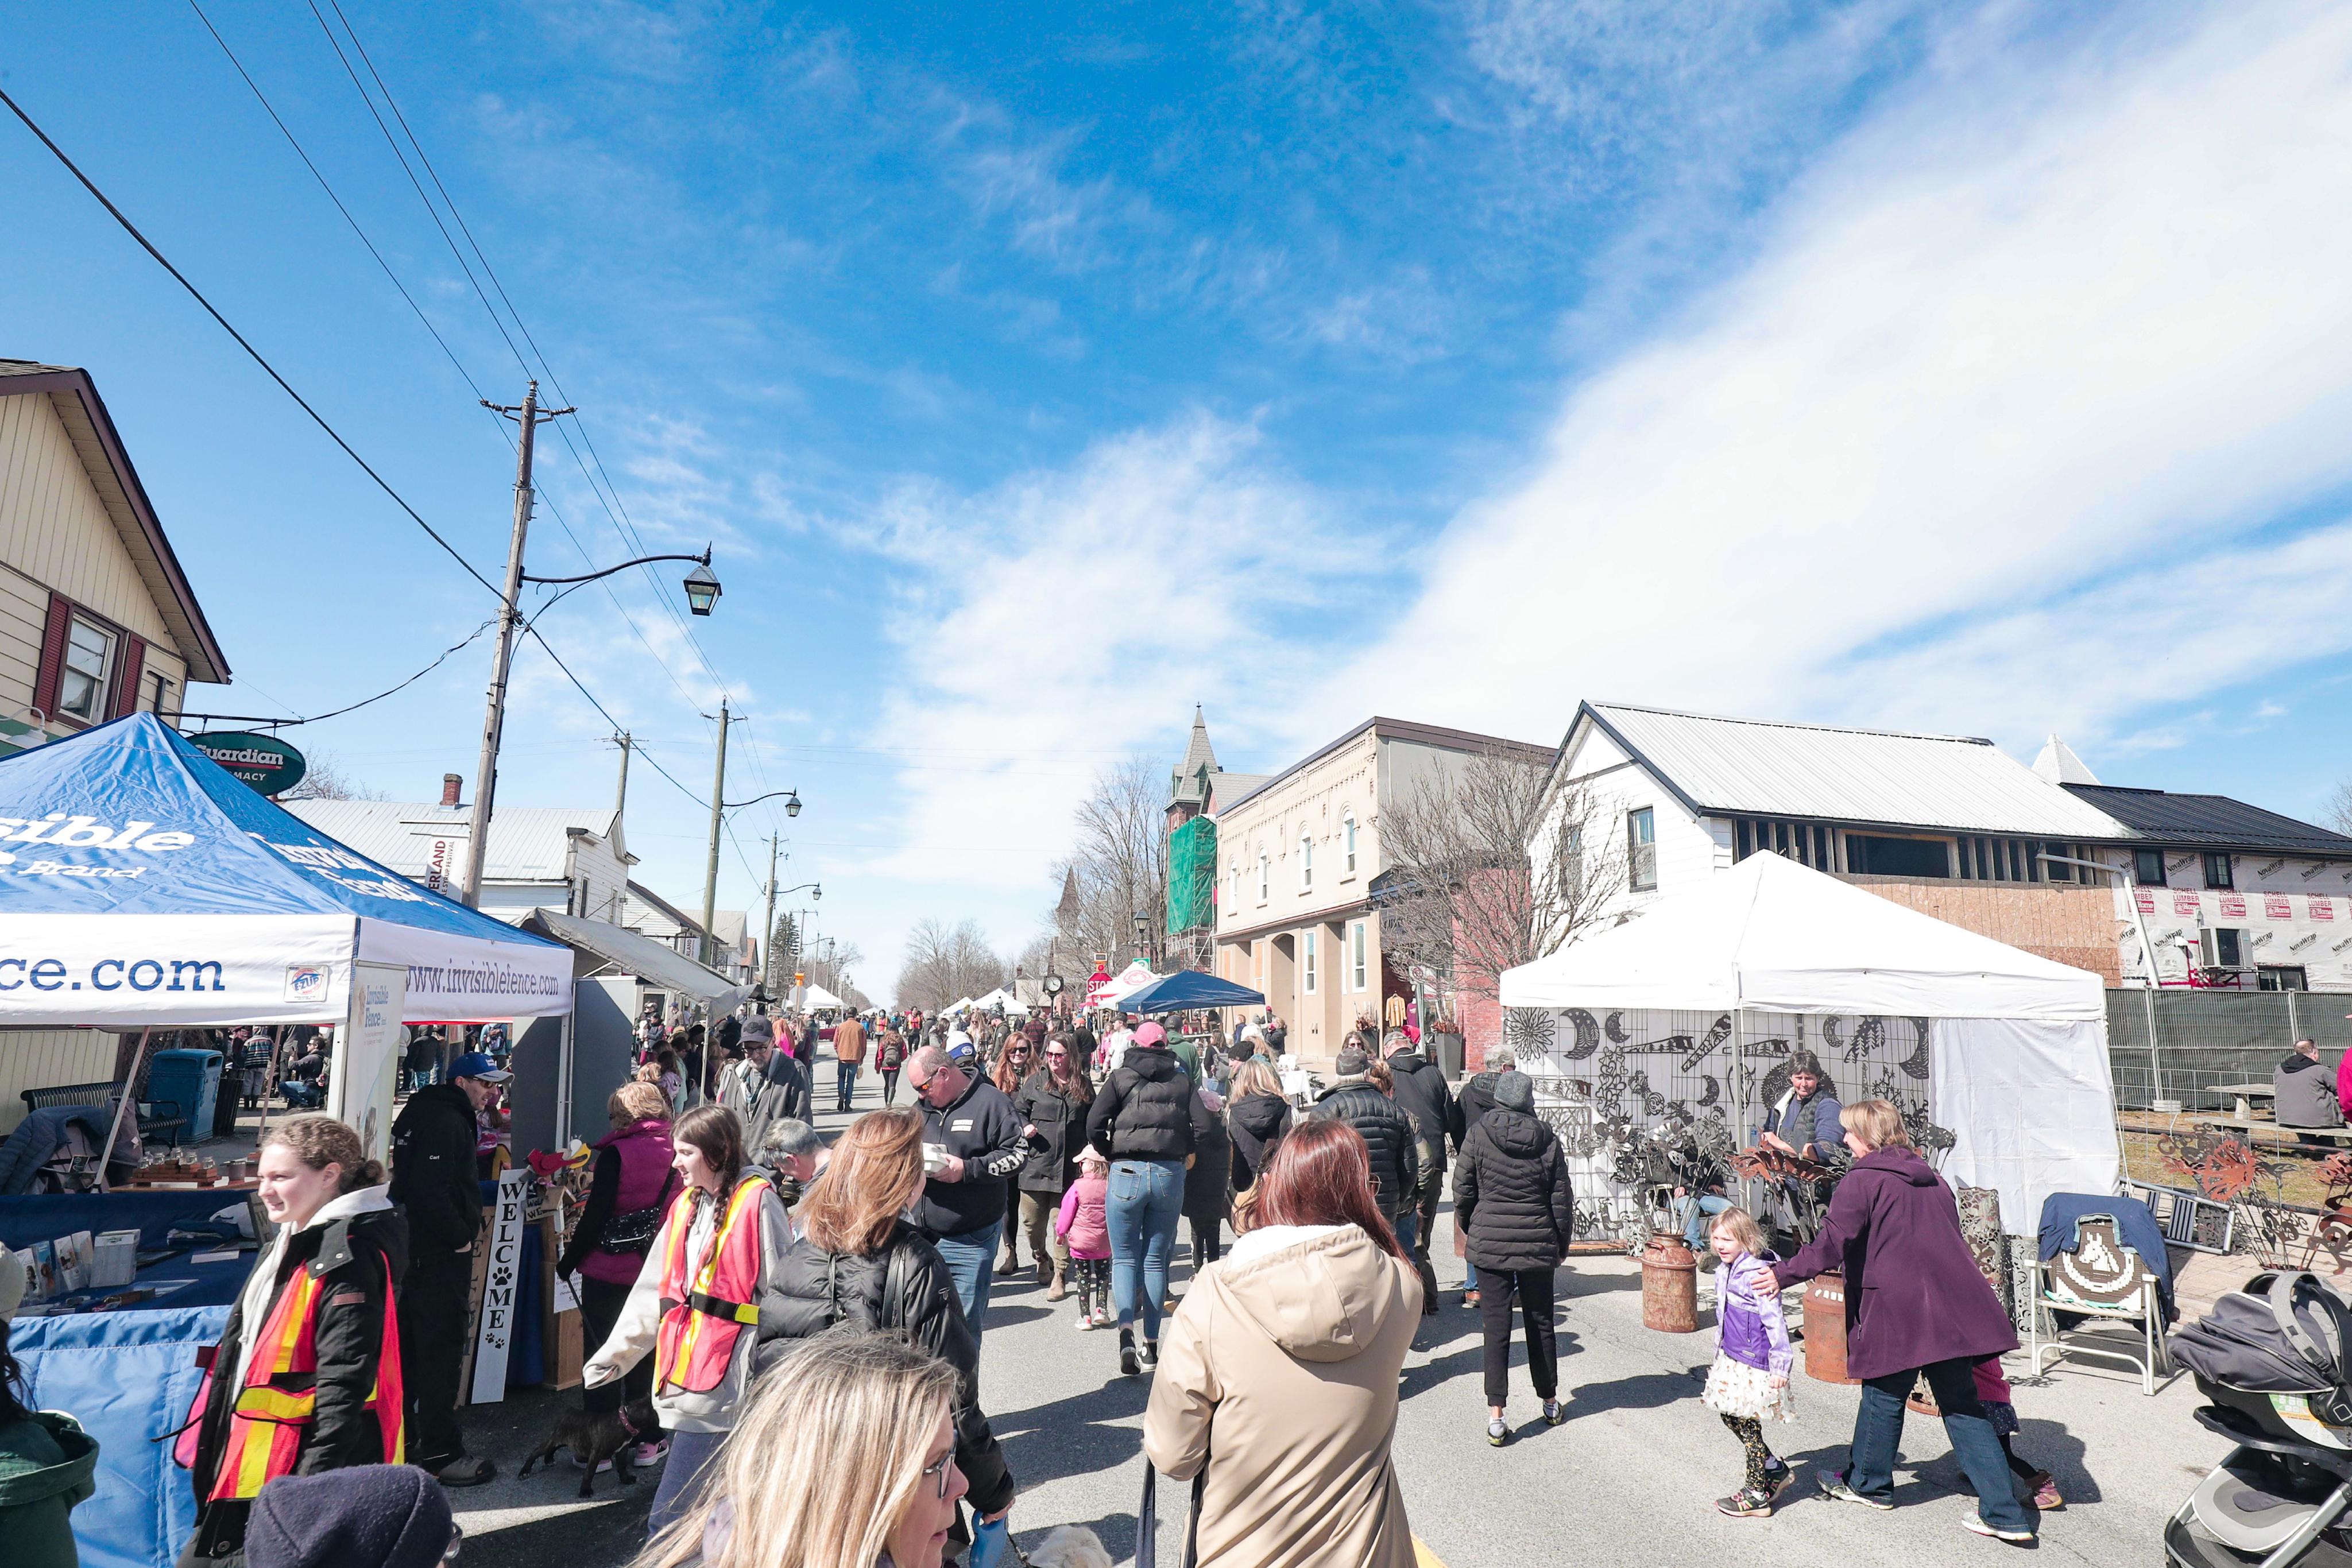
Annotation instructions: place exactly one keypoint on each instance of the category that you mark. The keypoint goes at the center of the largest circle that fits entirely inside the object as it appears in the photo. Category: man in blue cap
(435, 1184)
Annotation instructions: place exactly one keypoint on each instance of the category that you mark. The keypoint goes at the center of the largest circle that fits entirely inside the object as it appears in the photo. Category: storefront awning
(635, 953)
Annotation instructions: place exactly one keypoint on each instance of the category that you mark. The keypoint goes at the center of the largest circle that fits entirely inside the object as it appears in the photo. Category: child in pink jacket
(1084, 1225)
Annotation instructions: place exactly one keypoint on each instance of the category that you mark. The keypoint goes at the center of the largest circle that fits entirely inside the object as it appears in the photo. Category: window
(1359, 977)
(1233, 884)
(2281, 978)
(2148, 867)
(1571, 861)
(2216, 871)
(1264, 876)
(1641, 849)
(1874, 855)
(1347, 846)
(1306, 861)
(1306, 961)
(88, 661)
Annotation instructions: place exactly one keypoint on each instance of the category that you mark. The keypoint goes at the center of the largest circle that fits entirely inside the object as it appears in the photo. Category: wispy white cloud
(2014, 331)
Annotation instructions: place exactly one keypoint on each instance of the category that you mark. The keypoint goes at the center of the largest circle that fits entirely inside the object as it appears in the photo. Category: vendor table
(2246, 1094)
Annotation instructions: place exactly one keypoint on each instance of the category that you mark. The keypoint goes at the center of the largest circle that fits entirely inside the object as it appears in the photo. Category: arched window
(1347, 845)
(1305, 860)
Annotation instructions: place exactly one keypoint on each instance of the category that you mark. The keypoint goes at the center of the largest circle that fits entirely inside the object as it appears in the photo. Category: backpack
(2285, 1332)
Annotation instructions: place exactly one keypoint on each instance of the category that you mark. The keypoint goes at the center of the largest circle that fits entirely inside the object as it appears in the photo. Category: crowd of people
(740, 1277)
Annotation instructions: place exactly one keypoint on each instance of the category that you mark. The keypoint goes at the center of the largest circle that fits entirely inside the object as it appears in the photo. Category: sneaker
(2014, 1536)
(1832, 1484)
(1778, 1476)
(1151, 1352)
(1553, 1414)
(466, 1470)
(1469, 1298)
(1127, 1362)
(1746, 1505)
(650, 1454)
(1496, 1433)
(2045, 1491)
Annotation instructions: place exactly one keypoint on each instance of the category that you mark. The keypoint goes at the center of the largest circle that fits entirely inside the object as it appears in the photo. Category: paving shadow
(1003, 1317)
(1076, 1436)
(2045, 1445)
(1648, 1391)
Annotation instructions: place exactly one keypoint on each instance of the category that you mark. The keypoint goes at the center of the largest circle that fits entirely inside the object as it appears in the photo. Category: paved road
(1628, 1478)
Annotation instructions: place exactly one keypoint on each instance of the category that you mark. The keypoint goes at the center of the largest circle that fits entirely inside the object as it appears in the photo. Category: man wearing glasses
(972, 1147)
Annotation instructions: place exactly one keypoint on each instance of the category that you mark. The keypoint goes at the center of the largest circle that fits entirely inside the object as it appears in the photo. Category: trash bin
(191, 1080)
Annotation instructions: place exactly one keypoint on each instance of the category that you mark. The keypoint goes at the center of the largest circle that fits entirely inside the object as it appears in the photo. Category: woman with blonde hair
(883, 1411)
(306, 1377)
(722, 1241)
(860, 1263)
(1256, 1118)
(1915, 1305)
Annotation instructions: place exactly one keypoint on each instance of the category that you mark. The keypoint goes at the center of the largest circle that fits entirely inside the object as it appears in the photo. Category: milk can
(1669, 1285)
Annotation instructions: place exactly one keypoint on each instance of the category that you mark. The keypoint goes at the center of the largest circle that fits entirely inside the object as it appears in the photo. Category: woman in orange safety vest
(306, 1377)
(695, 1307)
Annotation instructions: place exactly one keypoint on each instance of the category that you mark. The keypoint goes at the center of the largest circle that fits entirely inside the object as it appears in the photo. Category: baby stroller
(2275, 1360)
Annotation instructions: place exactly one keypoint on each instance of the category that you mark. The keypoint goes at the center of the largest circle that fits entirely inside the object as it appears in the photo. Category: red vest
(699, 1330)
(277, 1402)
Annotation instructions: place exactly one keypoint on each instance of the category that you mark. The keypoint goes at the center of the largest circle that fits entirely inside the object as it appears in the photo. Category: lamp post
(702, 593)
(1142, 936)
(709, 950)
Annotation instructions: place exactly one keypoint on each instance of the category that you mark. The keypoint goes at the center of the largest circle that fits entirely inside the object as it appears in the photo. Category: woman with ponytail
(306, 1377)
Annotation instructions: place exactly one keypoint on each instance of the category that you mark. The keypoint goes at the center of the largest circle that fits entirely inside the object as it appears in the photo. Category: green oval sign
(268, 764)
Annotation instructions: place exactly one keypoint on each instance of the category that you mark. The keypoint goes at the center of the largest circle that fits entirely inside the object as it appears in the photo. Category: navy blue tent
(1187, 990)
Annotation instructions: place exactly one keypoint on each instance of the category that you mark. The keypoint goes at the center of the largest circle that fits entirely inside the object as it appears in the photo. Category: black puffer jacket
(1511, 1195)
(1425, 1095)
(1387, 1132)
(434, 1180)
(1147, 1110)
(1060, 1118)
(1205, 1193)
(1257, 1123)
(903, 1286)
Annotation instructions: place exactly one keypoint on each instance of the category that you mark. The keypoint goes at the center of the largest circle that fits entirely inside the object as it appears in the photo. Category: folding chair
(2100, 1278)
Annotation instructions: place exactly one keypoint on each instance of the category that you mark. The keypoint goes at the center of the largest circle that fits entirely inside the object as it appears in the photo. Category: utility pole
(768, 932)
(530, 416)
(710, 873)
(621, 795)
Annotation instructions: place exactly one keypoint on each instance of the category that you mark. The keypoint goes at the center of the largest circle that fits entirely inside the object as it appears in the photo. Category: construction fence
(2177, 1045)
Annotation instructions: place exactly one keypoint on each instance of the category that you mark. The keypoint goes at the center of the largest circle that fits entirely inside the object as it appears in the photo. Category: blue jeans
(844, 1078)
(693, 1459)
(1147, 1198)
(1878, 1427)
(1695, 1212)
(970, 1258)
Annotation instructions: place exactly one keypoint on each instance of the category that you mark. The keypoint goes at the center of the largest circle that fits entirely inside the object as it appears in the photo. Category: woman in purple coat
(1914, 1303)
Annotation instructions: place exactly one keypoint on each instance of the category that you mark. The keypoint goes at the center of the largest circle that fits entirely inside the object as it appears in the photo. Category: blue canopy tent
(1187, 990)
(141, 885)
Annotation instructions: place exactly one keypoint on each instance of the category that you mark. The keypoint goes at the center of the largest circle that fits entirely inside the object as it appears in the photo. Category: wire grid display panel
(1639, 1097)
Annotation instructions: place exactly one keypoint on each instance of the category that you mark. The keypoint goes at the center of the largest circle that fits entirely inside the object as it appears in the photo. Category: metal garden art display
(2225, 1167)
(1648, 1101)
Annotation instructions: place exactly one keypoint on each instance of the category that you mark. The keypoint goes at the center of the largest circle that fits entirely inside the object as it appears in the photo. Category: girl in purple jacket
(1749, 1384)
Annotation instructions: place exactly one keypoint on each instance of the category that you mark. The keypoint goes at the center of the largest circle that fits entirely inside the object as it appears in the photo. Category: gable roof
(1723, 766)
(2215, 820)
(1398, 729)
(527, 843)
(91, 429)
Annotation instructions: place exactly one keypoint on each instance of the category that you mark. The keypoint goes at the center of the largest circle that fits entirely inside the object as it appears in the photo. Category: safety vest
(699, 1333)
(279, 1399)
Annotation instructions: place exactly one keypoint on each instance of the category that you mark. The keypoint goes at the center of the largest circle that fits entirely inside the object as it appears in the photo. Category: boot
(1059, 1288)
(1010, 1264)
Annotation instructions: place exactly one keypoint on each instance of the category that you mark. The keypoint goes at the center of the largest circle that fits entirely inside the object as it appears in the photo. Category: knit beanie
(370, 1516)
(1515, 1091)
(1352, 1063)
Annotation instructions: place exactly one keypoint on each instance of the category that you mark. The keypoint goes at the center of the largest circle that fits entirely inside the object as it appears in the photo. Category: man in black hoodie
(1422, 1093)
(435, 1182)
(973, 1144)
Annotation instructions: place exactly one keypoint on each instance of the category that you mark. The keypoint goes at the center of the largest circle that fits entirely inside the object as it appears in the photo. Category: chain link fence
(2179, 1045)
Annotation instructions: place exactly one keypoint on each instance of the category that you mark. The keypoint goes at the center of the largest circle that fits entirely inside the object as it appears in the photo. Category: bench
(2287, 1136)
(157, 1118)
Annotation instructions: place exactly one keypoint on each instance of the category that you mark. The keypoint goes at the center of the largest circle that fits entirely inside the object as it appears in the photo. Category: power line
(197, 295)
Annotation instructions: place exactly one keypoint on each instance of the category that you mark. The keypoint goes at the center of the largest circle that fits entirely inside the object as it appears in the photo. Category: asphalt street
(1630, 1478)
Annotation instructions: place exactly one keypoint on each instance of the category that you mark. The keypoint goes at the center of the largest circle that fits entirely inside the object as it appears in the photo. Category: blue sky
(1041, 372)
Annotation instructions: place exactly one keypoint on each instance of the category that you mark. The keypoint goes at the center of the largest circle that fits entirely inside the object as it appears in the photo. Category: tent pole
(1740, 1101)
(129, 1082)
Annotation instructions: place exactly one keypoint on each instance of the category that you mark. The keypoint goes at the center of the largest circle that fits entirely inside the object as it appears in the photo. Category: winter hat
(370, 1516)
(1090, 1155)
(1515, 1091)
(1150, 1034)
(1351, 1061)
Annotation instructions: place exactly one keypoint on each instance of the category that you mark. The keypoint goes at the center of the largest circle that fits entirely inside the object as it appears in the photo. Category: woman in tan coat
(1290, 1348)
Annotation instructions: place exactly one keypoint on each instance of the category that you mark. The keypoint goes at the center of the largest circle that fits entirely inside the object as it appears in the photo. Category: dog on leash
(595, 1436)
(1070, 1546)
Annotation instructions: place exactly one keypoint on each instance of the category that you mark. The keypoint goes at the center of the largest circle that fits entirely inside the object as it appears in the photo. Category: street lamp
(1142, 933)
(701, 588)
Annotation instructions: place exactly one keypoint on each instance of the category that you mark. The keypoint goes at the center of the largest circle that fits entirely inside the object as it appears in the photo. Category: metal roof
(527, 843)
(1752, 767)
(2215, 820)
(1396, 729)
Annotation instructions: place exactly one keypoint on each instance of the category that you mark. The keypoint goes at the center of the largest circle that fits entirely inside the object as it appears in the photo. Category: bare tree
(324, 778)
(2339, 808)
(1119, 863)
(945, 965)
(1489, 870)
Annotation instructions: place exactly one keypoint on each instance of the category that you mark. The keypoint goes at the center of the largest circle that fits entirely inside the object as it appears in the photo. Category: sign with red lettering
(2184, 902)
(2146, 899)
(2278, 906)
(2321, 909)
(2233, 907)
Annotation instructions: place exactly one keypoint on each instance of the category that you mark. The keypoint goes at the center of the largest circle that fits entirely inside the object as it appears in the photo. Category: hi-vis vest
(279, 1399)
(698, 1333)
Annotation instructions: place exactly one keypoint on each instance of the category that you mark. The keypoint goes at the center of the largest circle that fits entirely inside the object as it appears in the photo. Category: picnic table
(2246, 1094)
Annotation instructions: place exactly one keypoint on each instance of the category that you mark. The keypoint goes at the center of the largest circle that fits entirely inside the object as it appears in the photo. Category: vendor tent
(1187, 990)
(623, 951)
(141, 885)
(1129, 981)
(2010, 1047)
(1000, 1000)
(815, 998)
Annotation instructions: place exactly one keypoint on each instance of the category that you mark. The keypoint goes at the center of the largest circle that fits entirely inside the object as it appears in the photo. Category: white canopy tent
(2012, 1047)
(816, 997)
(1125, 984)
(1000, 997)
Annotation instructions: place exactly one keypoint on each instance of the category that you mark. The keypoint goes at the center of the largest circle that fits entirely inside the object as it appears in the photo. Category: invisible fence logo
(63, 831)
(480, 980)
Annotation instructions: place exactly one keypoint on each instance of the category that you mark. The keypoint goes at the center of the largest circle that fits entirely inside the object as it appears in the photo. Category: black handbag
(1147, 1519)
